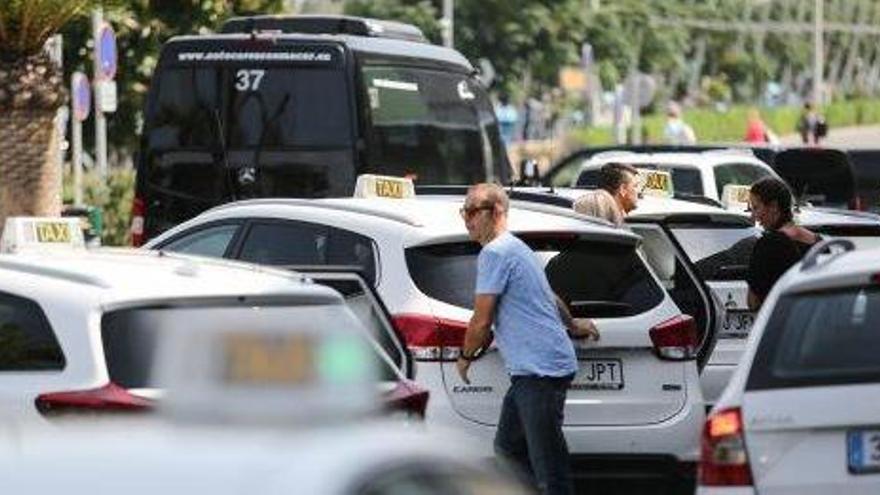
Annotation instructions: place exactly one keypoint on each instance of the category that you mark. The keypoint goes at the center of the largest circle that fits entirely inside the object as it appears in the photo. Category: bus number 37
(248, 79)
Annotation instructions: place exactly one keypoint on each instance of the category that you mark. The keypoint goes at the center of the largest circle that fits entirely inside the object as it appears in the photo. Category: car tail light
(430, 338)
(676, 338)
(723, 457)
(138, 210)
(409, 398)
(109, 398)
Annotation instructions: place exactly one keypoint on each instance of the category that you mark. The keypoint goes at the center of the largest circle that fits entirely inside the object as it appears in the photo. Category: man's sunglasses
(467, 212)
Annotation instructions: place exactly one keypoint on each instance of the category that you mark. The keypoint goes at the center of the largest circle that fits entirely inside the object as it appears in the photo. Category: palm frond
(25, 25)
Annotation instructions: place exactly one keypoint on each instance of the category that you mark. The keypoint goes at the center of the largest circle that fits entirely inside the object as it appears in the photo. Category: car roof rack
(325, 24)
(811, 259)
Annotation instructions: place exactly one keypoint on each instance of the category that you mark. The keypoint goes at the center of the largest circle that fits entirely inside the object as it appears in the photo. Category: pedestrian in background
(600, 204)
(533, 329)
(782, 244)
(811, 125)
(677, 131)
(757, 132)
(621, 181)
(508, 118)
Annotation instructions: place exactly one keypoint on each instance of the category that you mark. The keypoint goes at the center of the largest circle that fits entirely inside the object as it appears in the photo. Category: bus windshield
(434, 126)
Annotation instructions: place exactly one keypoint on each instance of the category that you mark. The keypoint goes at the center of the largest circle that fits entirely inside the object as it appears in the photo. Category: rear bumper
(725, 490)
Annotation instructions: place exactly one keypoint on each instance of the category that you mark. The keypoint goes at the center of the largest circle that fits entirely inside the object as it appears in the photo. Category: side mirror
(528, 172)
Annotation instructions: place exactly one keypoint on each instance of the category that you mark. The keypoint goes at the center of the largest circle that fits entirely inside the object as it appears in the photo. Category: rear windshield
(718, 252)
(821, 338)
(601, 278)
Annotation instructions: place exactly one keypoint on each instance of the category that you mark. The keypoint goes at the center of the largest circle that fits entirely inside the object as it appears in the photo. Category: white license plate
(598, 374)
(863, 451)
(737, 323)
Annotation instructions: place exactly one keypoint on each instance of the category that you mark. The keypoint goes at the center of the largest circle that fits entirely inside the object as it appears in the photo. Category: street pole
(818, 53)
(447, 23)
(100, 120)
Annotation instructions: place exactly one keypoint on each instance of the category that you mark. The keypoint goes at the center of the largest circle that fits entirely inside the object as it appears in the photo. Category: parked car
(800, 412)
(634, 401)
(79, 334)
(268, 398)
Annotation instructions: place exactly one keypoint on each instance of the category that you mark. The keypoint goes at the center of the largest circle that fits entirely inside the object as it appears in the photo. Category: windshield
(249, 107)
(436, 127)
(718, 252)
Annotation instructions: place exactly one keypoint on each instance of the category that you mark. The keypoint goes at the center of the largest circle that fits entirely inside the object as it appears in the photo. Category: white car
(74, 337)
(636, 397)
(800, 414)
(694, 174)
(268, 397)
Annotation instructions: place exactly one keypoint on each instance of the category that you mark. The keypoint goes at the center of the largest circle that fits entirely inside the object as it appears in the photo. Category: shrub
(113, 198)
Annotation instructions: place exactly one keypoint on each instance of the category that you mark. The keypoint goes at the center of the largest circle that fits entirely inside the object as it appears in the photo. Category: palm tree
(31, 91)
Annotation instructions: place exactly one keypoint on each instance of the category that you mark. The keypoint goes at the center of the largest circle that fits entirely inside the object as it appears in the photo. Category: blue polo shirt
(528, 329)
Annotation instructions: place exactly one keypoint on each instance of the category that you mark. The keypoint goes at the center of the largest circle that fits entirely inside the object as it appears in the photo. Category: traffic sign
(82, 96)
(107, 52)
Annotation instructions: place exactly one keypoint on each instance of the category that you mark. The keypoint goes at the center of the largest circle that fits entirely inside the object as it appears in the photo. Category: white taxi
(693, 174)
(636, 397)
(78, 324)
(800, 414)
(267, 398)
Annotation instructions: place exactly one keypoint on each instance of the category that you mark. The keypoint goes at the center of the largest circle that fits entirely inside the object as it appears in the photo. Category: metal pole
(818, 52)
(448, 22)
(100, 121)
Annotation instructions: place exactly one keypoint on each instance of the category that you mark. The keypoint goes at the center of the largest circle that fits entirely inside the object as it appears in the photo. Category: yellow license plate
(268, 360)
(52, 232)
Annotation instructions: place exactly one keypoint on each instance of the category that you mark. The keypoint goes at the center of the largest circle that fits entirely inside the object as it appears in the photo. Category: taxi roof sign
(735, 197)
(657, 183)
(41, 233)
(384, 186)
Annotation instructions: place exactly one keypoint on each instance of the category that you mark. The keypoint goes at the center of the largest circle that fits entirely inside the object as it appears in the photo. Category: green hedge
(113, 198)
(730, 126)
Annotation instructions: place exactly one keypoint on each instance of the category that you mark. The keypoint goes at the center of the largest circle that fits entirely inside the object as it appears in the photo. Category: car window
(210, 241)
(598, 279)
(738, 174)
(717, 251)
(436, 127)
(303, 243)
(820, 338)
(27, 341)
(685, 180)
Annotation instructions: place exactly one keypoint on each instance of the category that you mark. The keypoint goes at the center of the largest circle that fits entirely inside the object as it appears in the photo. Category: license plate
(737, 323)
(598, 374)
(863, 451)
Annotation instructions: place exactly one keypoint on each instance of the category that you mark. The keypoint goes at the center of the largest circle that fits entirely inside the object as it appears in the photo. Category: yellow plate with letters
(656, 183)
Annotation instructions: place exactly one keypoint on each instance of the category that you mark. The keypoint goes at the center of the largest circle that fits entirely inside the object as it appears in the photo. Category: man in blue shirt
(532, 330)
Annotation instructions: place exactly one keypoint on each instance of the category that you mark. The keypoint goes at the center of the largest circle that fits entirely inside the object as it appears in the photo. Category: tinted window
(718, 252)
(254, 107)
(27, 342)
(210, 241)
(129, 344)
(301, 243)
(610, 278)
(438, 127)
(826, 338)
(738, 174)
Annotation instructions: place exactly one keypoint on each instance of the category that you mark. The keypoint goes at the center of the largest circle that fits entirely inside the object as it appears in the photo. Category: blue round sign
(82, 96)
(107, 52)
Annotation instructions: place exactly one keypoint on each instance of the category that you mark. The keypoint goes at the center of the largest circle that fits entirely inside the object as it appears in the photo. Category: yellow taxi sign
(268, 360)
(384, 186)
(656, 183)
(41, 233)
(735, 196)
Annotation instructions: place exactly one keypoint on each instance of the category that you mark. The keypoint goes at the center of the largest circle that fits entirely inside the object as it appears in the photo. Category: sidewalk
(844, 137)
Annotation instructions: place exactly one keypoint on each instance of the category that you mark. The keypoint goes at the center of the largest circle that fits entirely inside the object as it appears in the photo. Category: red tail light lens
(109, 398)
(723, 457)
(676, 339)
(429, 338)
(138, 210)
(409, 398)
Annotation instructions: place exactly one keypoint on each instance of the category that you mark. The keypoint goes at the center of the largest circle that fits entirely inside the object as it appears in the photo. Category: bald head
(489, 194)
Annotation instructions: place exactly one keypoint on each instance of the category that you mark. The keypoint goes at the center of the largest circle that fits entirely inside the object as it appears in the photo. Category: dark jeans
(530, 431)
